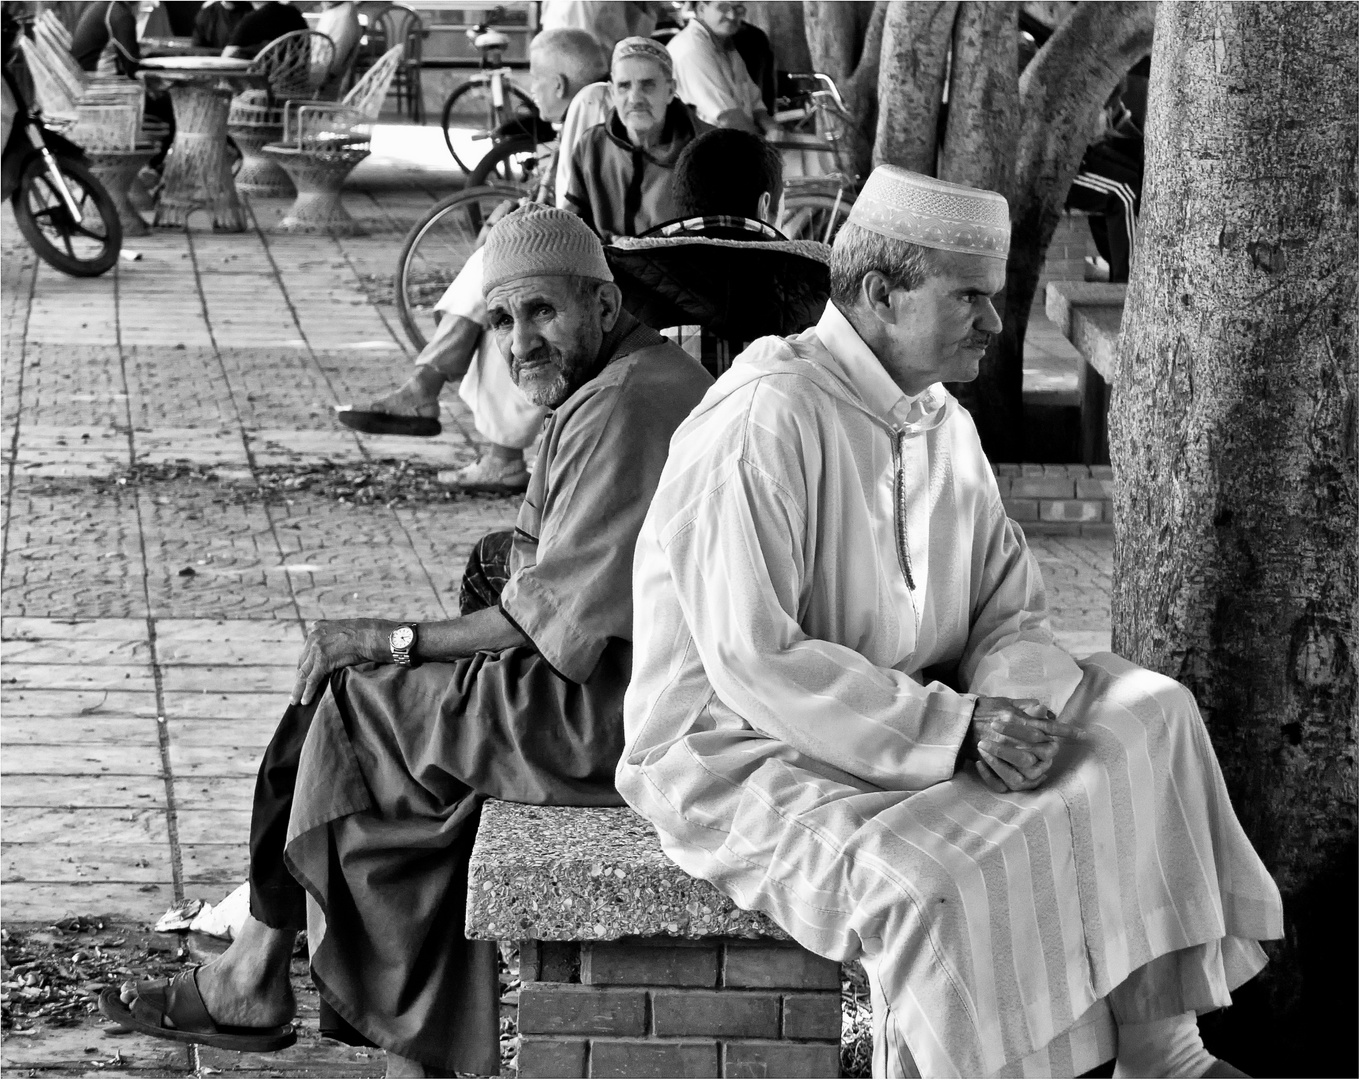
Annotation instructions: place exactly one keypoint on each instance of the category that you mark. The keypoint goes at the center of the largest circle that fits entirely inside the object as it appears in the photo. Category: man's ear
(875, 292)
(562, 87)
(611, 303)
(763, 205)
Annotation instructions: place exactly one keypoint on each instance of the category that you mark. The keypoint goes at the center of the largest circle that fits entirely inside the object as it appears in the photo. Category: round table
(197, 173)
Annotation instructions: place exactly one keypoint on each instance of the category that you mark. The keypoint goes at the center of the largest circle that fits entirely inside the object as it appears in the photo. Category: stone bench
(1088, 314)
(630, 967)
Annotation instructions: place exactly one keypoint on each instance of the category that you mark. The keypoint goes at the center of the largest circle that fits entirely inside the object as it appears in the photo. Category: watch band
(402, 654)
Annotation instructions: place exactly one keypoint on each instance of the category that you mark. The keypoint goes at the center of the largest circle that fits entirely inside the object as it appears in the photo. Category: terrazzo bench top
(1088, 314)
(562, 873)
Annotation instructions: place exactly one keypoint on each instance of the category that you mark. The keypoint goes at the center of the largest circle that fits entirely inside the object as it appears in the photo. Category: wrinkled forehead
(965, 270)
(557, 290)
(637, 68)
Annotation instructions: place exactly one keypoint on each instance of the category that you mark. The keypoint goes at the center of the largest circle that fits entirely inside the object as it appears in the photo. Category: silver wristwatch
(401, 641)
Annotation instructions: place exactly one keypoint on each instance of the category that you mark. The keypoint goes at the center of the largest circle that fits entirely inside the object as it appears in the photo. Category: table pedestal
(116, 169)
(318, 175)
(197, 173)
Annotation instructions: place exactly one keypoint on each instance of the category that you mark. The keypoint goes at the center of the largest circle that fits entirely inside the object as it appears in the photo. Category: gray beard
(550, 393)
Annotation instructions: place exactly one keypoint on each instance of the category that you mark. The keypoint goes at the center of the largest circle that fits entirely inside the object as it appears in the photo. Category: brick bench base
(667, 1007)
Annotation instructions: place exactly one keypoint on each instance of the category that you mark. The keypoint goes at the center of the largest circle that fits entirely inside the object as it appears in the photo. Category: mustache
(543, 354)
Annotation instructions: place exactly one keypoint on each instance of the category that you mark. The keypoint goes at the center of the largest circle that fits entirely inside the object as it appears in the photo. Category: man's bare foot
(417, 396)
(247, 986)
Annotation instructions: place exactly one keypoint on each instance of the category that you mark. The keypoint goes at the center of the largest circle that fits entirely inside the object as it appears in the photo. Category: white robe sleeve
(714, 90)
(737, 563)
(1010, 651)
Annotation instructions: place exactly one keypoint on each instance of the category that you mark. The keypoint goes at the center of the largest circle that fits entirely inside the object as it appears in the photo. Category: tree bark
(911, 80)
(980, 132)
(845, 40)
(782, 21)
(1233, 437)
(1060, 91)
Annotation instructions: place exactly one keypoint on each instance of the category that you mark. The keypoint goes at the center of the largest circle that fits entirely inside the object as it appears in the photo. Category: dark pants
(1109, 186)
(276, 898)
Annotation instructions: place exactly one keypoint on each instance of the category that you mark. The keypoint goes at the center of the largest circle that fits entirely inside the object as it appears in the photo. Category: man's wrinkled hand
(332, 645)
(1014, 742)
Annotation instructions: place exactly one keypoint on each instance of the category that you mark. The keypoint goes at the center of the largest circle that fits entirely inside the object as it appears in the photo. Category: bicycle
(436, 249)
(492, 96)
(814, 207)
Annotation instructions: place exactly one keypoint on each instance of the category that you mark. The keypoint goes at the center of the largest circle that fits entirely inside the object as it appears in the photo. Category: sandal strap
(175, 1004)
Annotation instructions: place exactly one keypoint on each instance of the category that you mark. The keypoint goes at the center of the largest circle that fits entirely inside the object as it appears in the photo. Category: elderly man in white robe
(848, 711)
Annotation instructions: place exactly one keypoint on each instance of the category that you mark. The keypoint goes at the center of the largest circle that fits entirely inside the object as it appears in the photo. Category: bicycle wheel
(82, 247)
(435, 250)
(511, 163)
(470, 106)
(815, 215)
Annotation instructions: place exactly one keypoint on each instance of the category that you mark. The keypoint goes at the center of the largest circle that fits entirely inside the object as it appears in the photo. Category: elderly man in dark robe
(368, 797)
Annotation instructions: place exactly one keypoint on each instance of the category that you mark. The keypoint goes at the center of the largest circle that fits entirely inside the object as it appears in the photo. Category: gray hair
(579, 54)
(858, 251)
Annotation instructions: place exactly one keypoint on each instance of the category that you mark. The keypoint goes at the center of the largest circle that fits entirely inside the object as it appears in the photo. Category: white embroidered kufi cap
(932, 213)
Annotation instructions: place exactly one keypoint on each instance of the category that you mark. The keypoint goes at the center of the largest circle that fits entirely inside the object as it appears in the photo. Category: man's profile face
(941, 329)
(722, 19)
(545, 84)
(549, 330)
(641, 93)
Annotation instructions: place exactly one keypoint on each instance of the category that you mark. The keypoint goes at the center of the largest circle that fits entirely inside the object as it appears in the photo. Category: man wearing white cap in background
(848, 711)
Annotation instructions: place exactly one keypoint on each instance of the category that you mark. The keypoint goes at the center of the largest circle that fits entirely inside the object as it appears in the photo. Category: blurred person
(368, 797)
(621, 170)
(1109, 184)
(105, 38)
(217, 21)
(262, 25)
(711, 74)
(340, 23)
(608, 21)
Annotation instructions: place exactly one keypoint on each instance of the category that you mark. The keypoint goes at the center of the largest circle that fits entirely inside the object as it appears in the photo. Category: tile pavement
(149, 628)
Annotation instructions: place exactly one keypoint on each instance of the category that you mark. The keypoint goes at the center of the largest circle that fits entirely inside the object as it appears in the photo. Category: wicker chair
(323, 141)
(295, 65)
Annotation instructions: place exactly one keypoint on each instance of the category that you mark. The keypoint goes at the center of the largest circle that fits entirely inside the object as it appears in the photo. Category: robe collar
(906, 414)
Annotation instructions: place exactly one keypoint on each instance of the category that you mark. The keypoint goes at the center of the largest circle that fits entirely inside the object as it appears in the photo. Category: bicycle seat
(491, 39)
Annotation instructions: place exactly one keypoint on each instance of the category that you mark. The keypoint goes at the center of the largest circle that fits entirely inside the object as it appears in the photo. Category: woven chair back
(295, 64)
(368, 94)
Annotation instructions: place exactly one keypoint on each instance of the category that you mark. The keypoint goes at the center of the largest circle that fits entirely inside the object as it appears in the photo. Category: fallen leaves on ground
(51, 975)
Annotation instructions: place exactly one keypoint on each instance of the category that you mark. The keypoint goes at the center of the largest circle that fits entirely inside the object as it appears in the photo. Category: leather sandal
(173, 1009)
(381, 423)
(489, 476)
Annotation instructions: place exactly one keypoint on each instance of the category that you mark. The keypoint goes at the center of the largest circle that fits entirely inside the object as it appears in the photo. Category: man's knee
(487, 571)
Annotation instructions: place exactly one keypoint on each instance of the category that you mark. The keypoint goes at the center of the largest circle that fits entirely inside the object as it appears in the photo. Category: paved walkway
(178, 504)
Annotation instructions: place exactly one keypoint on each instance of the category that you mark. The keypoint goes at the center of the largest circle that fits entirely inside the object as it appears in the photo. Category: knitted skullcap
(932, 213)
(541, 241)
(646, 48)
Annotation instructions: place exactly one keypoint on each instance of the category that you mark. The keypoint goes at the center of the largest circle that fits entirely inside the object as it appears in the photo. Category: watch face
(402, 637)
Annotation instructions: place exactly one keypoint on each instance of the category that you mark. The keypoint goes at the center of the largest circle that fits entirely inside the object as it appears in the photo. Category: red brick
(541, 1056)
(1102, 472)
(1107, 513)
(1078, 510)
(1021, 509)
(812, 1016)
(1028, 468)
(1042, 487)
(753, 1058)
(731, 1013)
(561, 1008)
(1054, 528)
(1095, 489)
(1007, 468)
(549, 961)
(761, 967)
(653, 1057)
(1003, 484)
(649, 964)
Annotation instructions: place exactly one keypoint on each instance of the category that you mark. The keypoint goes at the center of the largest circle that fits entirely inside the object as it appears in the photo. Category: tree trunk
(1060, 91)
(1233, 437)
(911, 74)
(845, 40)
(980, 132)
(782, 21)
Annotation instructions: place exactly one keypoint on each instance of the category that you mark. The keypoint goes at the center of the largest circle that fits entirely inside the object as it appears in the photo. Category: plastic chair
(401, 25)
(323, 141)
(295, 64)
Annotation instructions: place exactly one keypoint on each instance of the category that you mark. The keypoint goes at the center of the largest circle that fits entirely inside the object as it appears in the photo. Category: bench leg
(1094, 394)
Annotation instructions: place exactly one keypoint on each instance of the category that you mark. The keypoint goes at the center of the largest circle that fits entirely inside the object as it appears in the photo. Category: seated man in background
(719, 275)
(268, 21)
(217, 21)
(848, 710)
(105, 38)
(621, 169)
(710, 73)
(340, 23)
(566, 61)
(368, 797)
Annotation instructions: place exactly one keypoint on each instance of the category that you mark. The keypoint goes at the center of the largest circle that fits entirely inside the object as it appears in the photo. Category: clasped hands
(1012, 742)
(333, 644)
